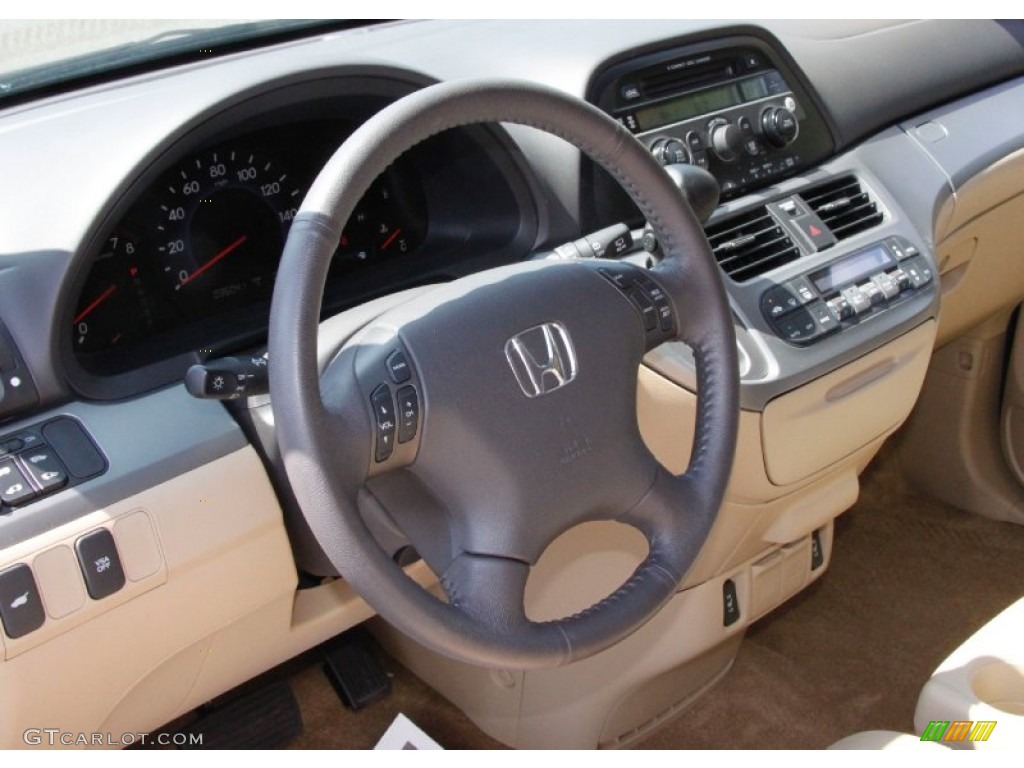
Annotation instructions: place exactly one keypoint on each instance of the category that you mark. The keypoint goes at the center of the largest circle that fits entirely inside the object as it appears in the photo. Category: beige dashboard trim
(224, 555)
(977, 236)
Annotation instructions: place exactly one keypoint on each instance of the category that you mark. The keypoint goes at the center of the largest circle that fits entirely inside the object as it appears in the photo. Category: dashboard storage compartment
(811, 428)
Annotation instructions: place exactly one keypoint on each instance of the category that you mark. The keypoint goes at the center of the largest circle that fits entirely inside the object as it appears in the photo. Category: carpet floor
(910, 579)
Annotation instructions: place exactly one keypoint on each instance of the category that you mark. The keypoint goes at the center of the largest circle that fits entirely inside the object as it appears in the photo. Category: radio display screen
(852, 269)
(701, 102)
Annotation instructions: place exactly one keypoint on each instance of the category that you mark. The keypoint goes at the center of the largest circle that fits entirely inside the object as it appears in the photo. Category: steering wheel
(490, 415)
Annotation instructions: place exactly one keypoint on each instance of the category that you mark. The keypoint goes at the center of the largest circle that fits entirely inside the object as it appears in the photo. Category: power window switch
(100, 564)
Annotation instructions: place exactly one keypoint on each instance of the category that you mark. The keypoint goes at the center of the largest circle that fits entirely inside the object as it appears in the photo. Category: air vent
(845, 207)
(750, 244)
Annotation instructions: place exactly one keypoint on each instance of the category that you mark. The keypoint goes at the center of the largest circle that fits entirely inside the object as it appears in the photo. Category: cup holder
(1001, 685)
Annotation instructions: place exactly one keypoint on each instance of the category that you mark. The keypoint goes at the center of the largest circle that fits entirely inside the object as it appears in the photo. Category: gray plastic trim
(147, 441)
(975, 132)
(778, 367)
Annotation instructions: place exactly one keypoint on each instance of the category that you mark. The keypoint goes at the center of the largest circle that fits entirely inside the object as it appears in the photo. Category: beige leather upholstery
(982, 680)
(884, 740)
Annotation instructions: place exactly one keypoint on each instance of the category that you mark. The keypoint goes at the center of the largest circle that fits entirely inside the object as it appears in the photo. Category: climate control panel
(846, 292)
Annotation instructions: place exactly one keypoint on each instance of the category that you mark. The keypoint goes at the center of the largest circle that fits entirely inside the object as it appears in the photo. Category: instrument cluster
(192, 262)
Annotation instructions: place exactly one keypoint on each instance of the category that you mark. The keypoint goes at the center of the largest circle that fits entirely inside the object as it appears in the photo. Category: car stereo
(732, 110)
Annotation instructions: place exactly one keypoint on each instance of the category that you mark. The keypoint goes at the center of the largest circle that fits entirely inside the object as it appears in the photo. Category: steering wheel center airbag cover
(521, 469)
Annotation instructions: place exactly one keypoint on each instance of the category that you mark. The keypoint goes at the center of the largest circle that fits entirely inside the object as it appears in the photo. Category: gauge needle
(96, 302)
(391, 239)
(214, 260)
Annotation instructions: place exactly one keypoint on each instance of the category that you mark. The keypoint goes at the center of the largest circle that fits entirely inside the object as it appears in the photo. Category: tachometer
(222, 223)
(112, 307)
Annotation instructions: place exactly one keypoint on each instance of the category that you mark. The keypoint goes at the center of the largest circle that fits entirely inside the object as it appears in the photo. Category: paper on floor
(403, 733)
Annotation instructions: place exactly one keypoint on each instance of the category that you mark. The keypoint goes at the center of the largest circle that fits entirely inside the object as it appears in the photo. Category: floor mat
(910, 579)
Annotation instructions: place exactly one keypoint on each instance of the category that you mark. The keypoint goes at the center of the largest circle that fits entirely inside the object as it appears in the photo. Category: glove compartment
(819, 424)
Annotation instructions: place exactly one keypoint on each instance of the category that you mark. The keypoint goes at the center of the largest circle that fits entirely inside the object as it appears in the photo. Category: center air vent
(750, 244)
(844, 206)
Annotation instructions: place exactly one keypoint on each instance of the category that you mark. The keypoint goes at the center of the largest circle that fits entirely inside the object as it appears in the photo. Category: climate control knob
(726, 141)
(670, 151)
(779, 126)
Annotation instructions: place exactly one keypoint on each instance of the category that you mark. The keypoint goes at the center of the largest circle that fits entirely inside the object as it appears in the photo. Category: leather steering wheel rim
(324, 426)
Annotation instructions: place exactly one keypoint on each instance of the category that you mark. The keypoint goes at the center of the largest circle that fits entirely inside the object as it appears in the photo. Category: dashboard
(152, 211)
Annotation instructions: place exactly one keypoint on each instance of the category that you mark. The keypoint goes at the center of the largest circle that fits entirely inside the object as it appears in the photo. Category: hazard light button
(814, 231)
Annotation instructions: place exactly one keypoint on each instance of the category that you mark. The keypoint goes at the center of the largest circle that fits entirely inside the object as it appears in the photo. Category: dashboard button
(645, 304)
(886, 285)
(857, 298)
(408, 413)
(901, 279)
(651, 288)
(384, 418)
(802, 289)
(695, 142)
(815, 231)
(15, 488)
(730, 603)
(919, 272)
(661, 303)
(840, 308)
(45, 469)
(895, 248)
(779, 301)
(21, 608)
(620, 280)
(27, 440)
(751, 61)
(798, 326)
(901, 248)
(11, 446)
(100, 564)
(873, 292)
(75, 448)
(398, 367)
(825, 319)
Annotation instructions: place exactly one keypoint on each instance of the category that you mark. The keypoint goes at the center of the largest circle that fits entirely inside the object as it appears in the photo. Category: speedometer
(222, 222)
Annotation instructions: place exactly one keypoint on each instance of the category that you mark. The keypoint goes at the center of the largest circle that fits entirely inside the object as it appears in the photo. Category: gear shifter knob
(699, 187)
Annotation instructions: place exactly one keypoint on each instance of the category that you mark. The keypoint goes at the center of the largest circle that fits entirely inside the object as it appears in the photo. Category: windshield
(45, 52)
